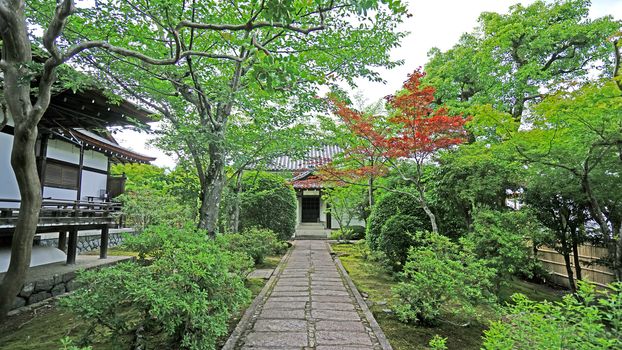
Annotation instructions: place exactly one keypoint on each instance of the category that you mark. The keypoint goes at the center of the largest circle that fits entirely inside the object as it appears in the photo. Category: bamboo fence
(553, 262)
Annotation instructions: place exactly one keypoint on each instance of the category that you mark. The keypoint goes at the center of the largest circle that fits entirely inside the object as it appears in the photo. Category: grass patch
(116, 251)
(373, 279)
(270, 262)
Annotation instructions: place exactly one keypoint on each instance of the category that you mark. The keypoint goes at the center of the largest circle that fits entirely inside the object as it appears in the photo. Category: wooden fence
(553, 262)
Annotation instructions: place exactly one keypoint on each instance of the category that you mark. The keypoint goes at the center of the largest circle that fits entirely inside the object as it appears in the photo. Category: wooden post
(62, 241)
(72, 246)
(103, 246)
(80, 168)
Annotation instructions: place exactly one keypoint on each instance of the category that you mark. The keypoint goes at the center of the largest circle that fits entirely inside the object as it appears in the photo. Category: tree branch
(249, 26)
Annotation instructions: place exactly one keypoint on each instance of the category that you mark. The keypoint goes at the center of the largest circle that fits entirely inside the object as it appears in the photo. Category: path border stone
(382, 339)
(244, 322)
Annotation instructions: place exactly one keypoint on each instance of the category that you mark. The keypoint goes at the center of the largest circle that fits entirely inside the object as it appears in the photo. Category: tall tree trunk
(370, 191)
(575, 252)
(427, 210)
(24, 165)
(235, 213)
(214, 184)
(609, 235)
(16, 56)
(565, 251)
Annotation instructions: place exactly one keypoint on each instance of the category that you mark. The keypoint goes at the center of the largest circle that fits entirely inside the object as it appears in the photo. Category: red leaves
(417, 129)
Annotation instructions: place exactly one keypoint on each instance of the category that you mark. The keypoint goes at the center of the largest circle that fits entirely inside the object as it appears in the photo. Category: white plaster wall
(59, 193)
(298, 210)
(95, 160)
(8, 182)
(91, 184)
(65, 151)
(355, 222)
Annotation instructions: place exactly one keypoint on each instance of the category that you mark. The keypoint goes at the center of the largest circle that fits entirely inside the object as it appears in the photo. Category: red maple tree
(415, 130)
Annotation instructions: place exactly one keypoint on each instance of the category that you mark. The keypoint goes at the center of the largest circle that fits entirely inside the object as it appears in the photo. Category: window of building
(61, 175)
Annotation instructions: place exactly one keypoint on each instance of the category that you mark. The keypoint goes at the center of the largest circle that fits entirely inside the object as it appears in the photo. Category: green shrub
(441, 278)
(590, 320)
(438, 343)
(358, 232)
(268, 201)
(185, 297)
(342, 235)
(391, 204)
(255, 242)
(396, 237)
(363, 249)
(503, 240)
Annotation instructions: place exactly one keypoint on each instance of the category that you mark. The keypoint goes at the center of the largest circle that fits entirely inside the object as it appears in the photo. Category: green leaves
(184, 296)
(577, 322)
(441, 278)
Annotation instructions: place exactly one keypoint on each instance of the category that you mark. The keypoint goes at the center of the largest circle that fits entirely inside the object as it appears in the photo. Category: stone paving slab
(309, 303)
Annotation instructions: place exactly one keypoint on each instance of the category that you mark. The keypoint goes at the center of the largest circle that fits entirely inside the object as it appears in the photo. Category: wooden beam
(62, 241)
(72, 246)
(80, 168)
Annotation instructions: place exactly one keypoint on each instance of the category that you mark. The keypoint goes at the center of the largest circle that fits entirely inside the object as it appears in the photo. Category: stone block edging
(244, 322)
(382, 339)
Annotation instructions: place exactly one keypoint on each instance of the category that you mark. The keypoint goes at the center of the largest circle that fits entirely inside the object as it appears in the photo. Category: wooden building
(74, 152)
(312, 209)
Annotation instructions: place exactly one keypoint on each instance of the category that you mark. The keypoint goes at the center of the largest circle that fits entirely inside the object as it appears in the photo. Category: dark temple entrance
(310, 209)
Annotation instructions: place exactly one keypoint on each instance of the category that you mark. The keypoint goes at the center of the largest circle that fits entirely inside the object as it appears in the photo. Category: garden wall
(87, 240)
(553, 262)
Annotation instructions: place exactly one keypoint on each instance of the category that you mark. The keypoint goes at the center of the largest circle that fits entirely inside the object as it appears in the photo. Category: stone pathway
(308, 304)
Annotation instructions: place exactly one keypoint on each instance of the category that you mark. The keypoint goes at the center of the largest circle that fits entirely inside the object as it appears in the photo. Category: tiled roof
(109, 147)
(314, 158)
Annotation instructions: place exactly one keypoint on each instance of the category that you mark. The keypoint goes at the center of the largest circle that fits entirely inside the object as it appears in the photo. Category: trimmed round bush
(396, 237)
(269, 202)
(255, 242)
(391, 204)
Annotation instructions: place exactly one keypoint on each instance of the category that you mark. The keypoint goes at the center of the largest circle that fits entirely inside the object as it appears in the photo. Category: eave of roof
(101, 144)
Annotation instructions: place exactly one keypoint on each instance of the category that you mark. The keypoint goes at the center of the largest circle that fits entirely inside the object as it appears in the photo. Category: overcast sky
(435, 23)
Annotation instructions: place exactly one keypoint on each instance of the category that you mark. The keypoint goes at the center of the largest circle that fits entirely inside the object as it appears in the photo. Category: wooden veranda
(66, 217)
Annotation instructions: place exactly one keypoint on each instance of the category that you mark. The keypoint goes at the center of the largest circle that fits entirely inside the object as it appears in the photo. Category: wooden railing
(56, 212)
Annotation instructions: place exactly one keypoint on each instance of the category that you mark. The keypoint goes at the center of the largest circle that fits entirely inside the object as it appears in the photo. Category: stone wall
(45, 288)
(86, 242)
(48, 286)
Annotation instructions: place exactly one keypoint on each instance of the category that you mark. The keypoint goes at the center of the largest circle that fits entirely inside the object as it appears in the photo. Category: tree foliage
(415, 131)
(511, 60)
